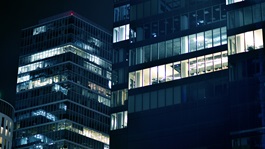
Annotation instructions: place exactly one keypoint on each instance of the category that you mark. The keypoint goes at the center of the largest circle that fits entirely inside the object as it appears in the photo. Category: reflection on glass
(208, 39)
(192, 43)
(200, 41)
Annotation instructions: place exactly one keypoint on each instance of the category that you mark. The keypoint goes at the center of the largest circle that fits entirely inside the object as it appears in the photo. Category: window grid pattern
(177, 70)
(177, 46)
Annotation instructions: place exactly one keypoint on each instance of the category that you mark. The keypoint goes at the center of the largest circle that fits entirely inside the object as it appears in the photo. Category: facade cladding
(63, 85)
(188, 74)
(7, 124)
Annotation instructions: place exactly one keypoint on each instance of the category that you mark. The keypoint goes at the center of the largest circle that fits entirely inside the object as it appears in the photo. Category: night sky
(16, 15)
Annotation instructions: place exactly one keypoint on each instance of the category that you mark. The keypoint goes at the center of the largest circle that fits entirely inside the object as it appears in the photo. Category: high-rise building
(63, 85)
(245, 34)
(7, 124)
(188, 74)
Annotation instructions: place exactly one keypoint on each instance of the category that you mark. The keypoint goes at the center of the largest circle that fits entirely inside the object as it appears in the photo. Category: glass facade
(176, 23)
(246, 15)
(193, 67)
(64, 85)
(6, 124)
(177, 46)
(179, 69)
(245, 42)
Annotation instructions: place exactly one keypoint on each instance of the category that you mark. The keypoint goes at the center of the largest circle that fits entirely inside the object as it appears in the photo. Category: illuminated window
(146, 77)
(39, 30)
(119, 120)
(245, 42)
(121, 33)
(181, 69)
(232, 1)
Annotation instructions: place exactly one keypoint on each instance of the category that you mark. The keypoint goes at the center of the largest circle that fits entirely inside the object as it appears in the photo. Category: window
(154, 75)
(119, 120)
(240, 43)
(232, 1)
(146, 77)
(208, 39)
(216, 37)
(200, 41)
(192, 43)
(244, 42)
(121, 33)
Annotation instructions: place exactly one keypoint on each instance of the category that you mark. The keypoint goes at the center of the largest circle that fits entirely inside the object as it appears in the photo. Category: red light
(71, 13)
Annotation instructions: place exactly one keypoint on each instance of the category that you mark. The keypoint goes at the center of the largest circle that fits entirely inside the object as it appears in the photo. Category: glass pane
(147, 31)
(216, 37)
(176, 24)
(139, 79)
(263, 11)
(161, 73)
(147, 53)
(184, 20)
(223, 35)
(147, 10)
(131, 80)
(154, 75)
(146, 77)
(208, 39)
(208, 15)
(200, 18)
(192, 43)
(200, 41)
(231, 19)
(184, 69)
(139, 55)
(224, 60)
(162, 27)
(247, 15)
(232, 45)
(192, 67)
(258, 39)
(200, 65)
(209, 63)
(238, 18)
(240, 46)
(176, 46)
(154, 52)
(249, 41)
(192, 19)
(161, 50)
(256, 13)
(169, 72)
(169, 24)
(140, 11)
(176, 70)
(169, 48)
(217, 61)
(216, 13)
(184, 44)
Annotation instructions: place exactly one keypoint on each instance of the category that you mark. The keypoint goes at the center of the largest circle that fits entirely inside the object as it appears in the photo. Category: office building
(245, 33)
(7, 124)
(188, 74)
(63, 85)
